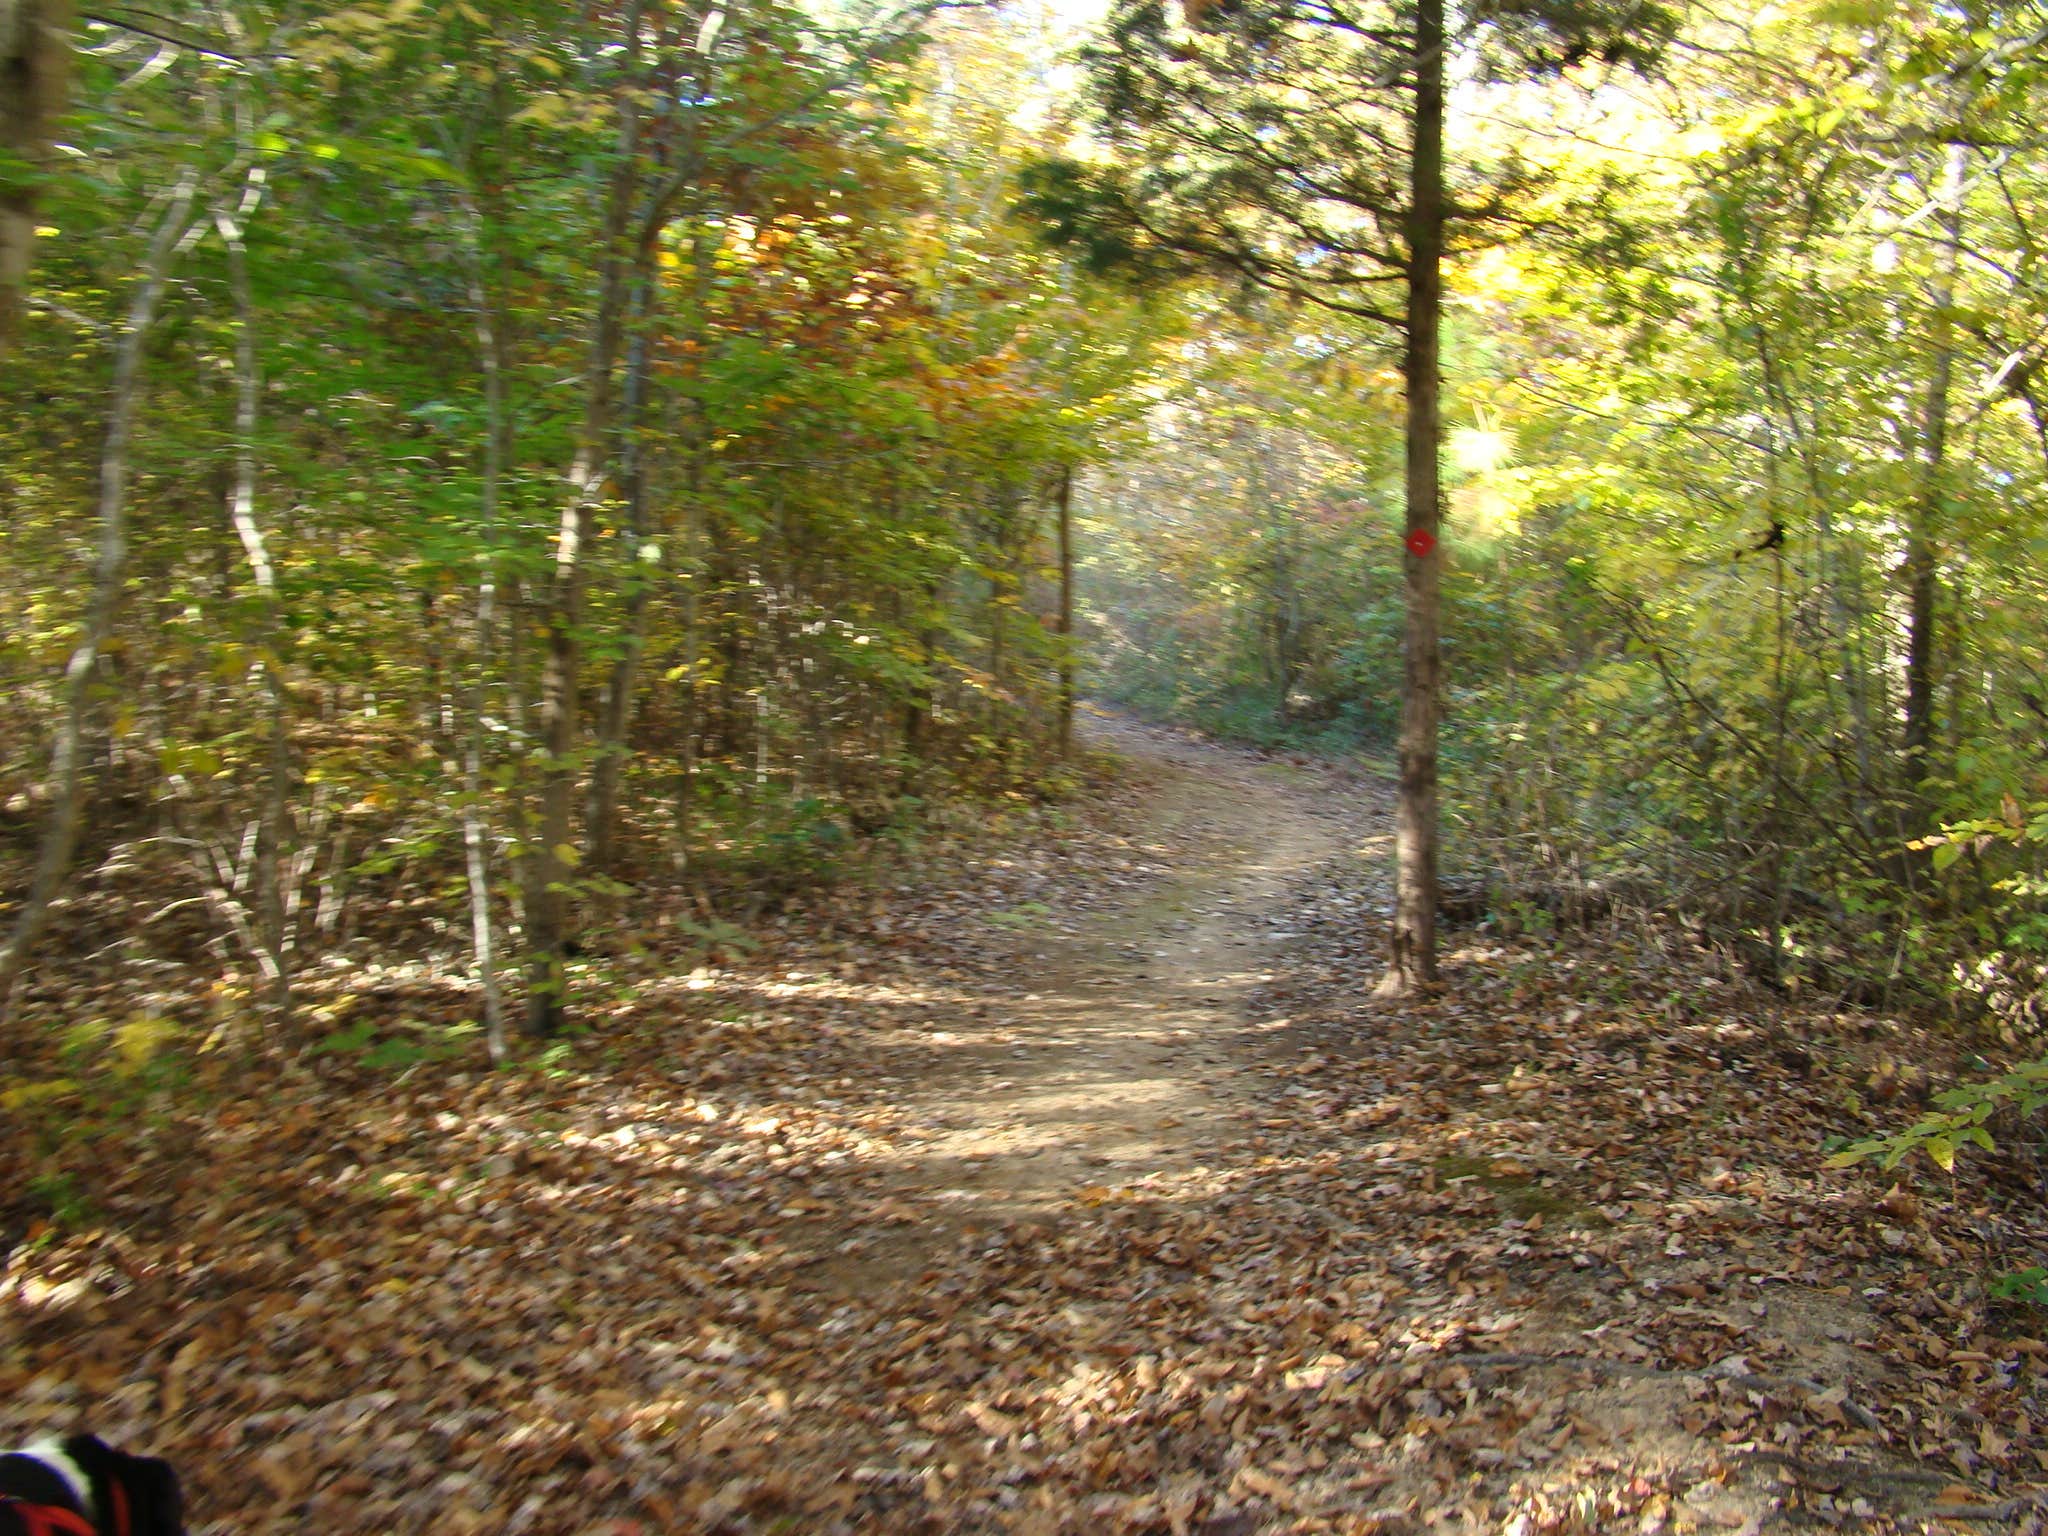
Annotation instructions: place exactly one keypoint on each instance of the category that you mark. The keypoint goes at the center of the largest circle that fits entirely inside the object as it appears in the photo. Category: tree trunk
(273, 948)
(546, 867)
(1003, 517)
(1838, 565)
(53, 860)
(490, 342)
(695, 571)
(694, 568)
(35, 52)
(616, 717)
(518, 738)
(1413, 961)
(917, 710)
(1923, 530)
(1064, 500)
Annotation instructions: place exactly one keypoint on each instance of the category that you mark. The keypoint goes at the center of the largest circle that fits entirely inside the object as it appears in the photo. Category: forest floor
(1063, 1178)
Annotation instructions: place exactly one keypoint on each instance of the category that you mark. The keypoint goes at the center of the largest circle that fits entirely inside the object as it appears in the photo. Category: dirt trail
(1067, 1182)
(1189, 1133)
(1116, 1063)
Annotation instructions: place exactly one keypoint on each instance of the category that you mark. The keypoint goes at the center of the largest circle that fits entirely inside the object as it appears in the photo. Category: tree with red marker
(1298, 147)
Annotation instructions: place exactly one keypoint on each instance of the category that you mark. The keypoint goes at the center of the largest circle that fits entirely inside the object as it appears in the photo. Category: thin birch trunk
(53, 860)
(475, 831)
(518, 740)
(273, 947)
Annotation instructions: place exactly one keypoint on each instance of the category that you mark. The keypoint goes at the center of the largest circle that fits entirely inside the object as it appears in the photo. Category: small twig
(97, 328)
(166, 911)
(1598, 1366)
(160, 34)
(1851, 1472)
(2003, 1511)
(1825, 1473)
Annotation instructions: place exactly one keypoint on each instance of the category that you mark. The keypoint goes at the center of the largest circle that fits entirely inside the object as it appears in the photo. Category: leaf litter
(1069, 1180)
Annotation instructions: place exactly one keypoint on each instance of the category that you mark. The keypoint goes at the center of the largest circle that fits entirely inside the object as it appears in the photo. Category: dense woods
(580, 447)
(534, 538)
(1741, 524)
(640, 445)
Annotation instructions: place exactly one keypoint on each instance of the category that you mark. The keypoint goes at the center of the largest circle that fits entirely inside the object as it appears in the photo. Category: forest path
(1062, 1179)
(1178, 1211)
(1113, 1057)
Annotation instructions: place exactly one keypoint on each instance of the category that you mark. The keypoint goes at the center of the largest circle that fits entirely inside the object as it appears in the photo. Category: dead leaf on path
(996, 1425)
(282, 1474)
(175, 1375)
(1275, 1490)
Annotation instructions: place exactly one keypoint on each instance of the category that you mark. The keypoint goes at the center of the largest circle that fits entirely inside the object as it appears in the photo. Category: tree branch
(158, 34)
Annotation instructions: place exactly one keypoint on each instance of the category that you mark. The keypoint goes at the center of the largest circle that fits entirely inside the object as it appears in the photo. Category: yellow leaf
(28, 1095)
(141, 1040)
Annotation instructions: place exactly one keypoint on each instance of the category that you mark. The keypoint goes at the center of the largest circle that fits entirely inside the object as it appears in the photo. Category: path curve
(1118, 1063)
